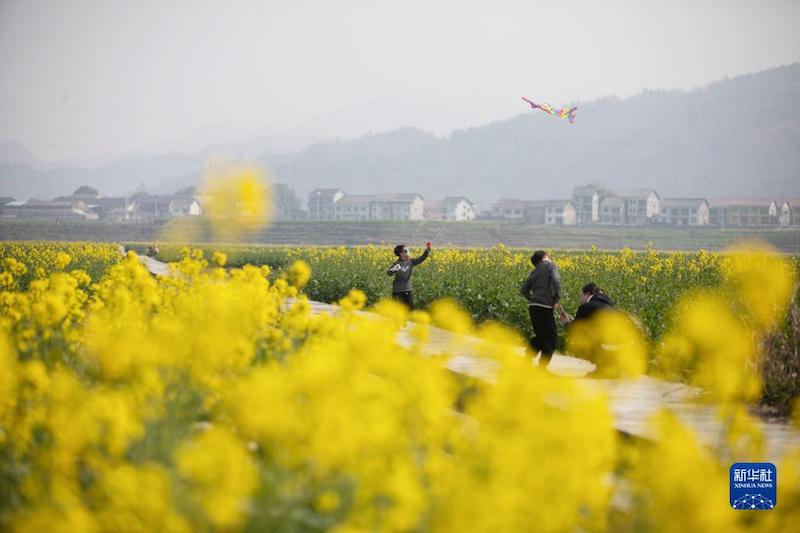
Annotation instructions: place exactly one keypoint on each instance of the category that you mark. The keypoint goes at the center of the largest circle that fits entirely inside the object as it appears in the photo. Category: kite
(560, 113)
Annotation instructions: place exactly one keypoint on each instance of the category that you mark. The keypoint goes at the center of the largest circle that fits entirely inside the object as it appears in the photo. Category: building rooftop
(642, 193)
(324, 193)
(674, 203)
(356, 200)
(398, 197)
(454, 200)
(511, 203)
(612, 201)
(740, 202)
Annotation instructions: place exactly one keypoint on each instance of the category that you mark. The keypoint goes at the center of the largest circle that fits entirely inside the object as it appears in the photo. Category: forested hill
(735, 137)
(739, 136)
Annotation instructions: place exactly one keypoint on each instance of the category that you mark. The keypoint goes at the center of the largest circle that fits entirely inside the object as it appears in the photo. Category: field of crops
(203, 402)
(487, 281)
(27, 260)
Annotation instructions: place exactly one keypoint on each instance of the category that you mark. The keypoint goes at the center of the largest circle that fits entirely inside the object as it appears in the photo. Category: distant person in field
(593, 299)
(542, 289)
(401, 270)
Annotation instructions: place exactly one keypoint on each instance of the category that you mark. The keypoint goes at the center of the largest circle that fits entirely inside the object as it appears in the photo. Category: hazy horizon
(90, 80)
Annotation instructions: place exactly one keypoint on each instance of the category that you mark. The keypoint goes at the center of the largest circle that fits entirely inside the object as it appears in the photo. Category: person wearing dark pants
(405, 297)
(545, 331)
(401, 270)
(542, 289)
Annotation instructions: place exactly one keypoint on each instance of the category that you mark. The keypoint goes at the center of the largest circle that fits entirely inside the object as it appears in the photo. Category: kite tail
(571, 115)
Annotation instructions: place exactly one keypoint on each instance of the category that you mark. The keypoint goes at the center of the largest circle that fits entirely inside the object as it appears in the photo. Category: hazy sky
(88, 79)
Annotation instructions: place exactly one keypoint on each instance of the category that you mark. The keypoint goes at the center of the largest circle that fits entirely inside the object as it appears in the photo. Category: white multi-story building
(684, 212)
(398, 206)
(642, 206)
(456, 208)
(551, 212)
(184, 207)
(510, 210)
(794, 211)
(611, 211)
(321, 201)
(115, 209)
(331, 205)
(560, 212)
(734, 212)
(784, 213)
(55, 209)
(587, 200)
(353, 207)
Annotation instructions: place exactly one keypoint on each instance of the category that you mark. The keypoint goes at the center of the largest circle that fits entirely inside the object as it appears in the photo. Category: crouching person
(592, 299)
(611, 339)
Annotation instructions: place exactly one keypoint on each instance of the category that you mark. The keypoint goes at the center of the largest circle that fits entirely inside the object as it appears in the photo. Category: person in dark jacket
(542, 289)
(593, 299)
(401, 270)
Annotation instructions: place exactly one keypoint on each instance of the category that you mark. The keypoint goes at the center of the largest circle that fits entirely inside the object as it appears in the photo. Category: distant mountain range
(735, 137)
(23, 177)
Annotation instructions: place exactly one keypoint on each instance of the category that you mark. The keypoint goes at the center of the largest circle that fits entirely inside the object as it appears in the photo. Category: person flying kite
(560, 113)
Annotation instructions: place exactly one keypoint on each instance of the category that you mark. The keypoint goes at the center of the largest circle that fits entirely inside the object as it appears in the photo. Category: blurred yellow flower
(238, 201)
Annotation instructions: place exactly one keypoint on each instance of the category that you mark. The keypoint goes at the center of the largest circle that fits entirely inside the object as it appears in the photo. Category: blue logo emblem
(754, 486)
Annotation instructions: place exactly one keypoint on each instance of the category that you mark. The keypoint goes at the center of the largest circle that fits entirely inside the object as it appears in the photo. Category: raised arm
(420, 259)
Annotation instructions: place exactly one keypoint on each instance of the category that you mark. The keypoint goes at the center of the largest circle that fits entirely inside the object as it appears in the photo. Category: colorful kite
(560, 113)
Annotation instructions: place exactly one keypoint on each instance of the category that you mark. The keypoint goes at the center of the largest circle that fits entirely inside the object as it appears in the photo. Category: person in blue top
(401, 270)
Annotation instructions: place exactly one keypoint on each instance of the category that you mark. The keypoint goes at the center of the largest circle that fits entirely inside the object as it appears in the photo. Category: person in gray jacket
(401, 270)
(542, 289)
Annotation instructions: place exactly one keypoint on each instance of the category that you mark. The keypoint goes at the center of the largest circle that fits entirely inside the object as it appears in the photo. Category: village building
(457, 208)
(560, 213)
(433, 210)
(321, 203)
(49, 209)
(684, 212)
(510, 210)
(353, 207)
(612, 211)
(185, 207)
(4, 200)
(642, 207)
(151, 208)
(794, 211)
(392, 206)
(738, 212)
(551, 212)
(147, 208)
(398, 206)
(114, 209)
(587, 200)
(784, 213)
